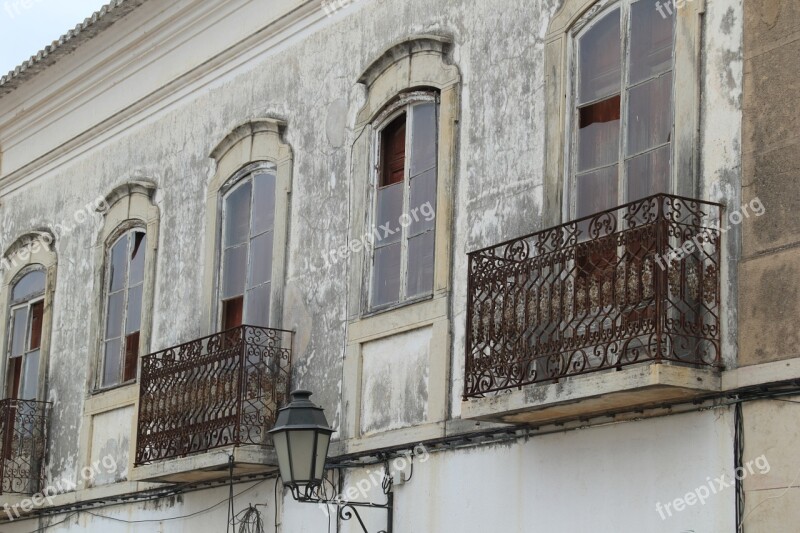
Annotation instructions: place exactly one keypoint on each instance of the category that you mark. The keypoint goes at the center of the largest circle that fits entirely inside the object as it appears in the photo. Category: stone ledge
(593, 394)
(209, 466)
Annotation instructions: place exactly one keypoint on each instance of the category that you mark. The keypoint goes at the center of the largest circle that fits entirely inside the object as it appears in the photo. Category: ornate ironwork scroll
(221, 390)
(633, 284)
(23, 426)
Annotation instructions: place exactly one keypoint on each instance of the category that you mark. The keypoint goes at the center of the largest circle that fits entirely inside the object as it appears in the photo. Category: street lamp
(301, 437)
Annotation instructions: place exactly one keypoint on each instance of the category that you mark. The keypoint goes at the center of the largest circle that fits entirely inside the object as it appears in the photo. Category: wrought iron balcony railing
(638, 283)
(23, 426)
(221, 390)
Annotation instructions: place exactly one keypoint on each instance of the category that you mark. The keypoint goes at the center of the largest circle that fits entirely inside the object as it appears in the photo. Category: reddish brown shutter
(232, 313)
(131, 356)
(393, 152)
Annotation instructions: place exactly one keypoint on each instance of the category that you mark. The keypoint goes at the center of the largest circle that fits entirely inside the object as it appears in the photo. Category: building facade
(536, 259)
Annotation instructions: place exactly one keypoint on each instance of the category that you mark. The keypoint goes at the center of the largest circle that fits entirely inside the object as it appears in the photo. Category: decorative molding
(243, 131)
(141, 186)
(584, 19)
(27, 239)
(419, 44)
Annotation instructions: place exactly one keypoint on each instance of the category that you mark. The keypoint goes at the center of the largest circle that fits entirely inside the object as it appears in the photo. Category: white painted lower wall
(602, 480)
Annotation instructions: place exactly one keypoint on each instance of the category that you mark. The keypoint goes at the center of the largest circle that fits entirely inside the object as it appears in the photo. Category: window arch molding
(250, 147)
(129, 207)
(559, 51)
(418, 63)
(29, 253)
(415, 65)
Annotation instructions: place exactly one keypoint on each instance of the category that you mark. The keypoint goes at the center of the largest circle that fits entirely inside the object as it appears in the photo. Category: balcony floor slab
(593, 394)
(209, 466)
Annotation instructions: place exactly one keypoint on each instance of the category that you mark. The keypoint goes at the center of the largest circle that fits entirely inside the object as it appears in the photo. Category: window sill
(410, 315)
(101, 400)
(395, 306)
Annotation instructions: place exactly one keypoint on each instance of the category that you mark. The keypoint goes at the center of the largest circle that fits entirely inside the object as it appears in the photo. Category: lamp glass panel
(323, 440)
(302, 447)
(281, 445)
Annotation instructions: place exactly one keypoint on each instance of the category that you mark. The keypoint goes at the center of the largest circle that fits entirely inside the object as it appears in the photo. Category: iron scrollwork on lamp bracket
(347, 510)
(301, 438)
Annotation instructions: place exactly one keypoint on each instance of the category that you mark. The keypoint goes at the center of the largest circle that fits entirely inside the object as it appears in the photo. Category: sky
(27, 26)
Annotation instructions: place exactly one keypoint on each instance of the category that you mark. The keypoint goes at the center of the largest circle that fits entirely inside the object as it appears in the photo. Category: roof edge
(67, 43)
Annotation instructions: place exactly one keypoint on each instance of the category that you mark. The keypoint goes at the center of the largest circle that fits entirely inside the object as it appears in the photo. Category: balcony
(611, 311)
(23, 426)
(205, 400)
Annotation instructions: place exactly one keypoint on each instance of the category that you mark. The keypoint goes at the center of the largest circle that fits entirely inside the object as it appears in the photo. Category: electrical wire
(249, 520)
(156, 520)
(738, 461)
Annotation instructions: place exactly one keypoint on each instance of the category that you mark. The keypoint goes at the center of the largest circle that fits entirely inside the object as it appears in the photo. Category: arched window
(25, 334)
(622, 125)
(247, 226)
(404, 200)
(125, 271)
(247, 237)
(125, 264)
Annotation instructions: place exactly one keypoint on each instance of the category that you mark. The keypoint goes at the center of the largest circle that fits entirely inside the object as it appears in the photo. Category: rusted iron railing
(221, 390)
(23, 426)
(637, 283)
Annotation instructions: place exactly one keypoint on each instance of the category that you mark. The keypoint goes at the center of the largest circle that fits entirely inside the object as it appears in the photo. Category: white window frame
(245, 174)
(15, 305)
(403, 105)
(119, 235)
(579, 29)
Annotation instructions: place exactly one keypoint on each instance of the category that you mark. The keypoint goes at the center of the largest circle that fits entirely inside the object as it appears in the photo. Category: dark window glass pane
(116, 302)
(119, 264)
(422, 203)
(423, 138)
(390, 207)
(260, 260)
(386, 275)
(19, 327)
(137, 258)
(134, 316)
(234, 271)
(420, 264)
(649, 173)
(232, 313)
(237, 215)
(650, 114)
(111, 362)
(600, 72)
(393, 152)
(263, 203)
(37, 315)
(651, 40)
(598, 136)
(29, 388)
(131, 356)
(597, 191)
(257, 312)
(31, 284)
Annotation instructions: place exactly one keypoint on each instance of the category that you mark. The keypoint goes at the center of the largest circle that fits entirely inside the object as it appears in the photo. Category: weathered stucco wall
(310, 82)
(770, 299)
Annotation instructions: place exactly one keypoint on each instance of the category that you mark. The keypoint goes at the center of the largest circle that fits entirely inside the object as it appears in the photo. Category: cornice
(165, 31)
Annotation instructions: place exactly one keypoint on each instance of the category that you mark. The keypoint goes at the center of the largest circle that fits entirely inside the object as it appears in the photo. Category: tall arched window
(622, 106)
(25, 334)
(247, 226)
(125, 271)
(247, 236)
(403, 225)
(123, 309)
